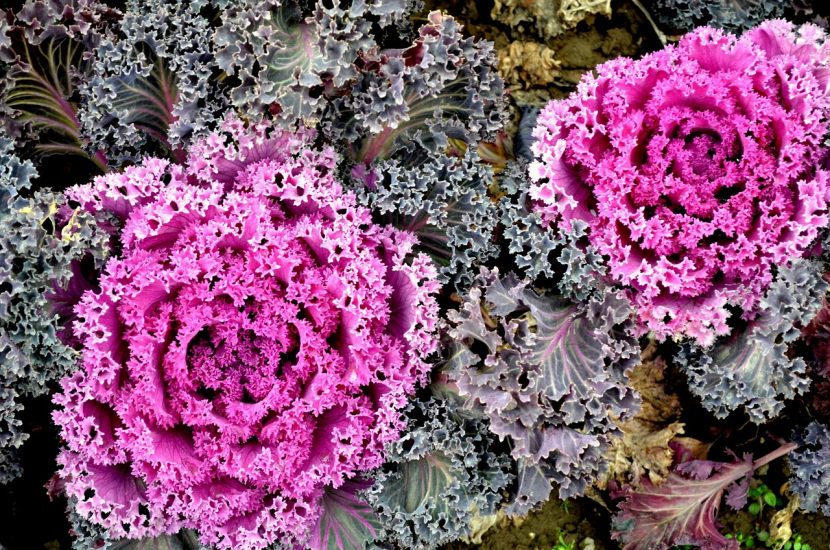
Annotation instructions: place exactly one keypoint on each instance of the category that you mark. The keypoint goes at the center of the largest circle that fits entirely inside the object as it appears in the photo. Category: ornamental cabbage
(697, 169)
(250, 349)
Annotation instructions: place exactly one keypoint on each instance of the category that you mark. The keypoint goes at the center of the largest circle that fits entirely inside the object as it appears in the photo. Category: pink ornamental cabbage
(251, 347)
(697, 168)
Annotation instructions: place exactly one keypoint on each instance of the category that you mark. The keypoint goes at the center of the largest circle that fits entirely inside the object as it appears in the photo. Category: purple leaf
(683, 509)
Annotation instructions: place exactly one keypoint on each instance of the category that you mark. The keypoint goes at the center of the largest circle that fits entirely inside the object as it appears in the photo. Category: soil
(814, 530)
(579, 520)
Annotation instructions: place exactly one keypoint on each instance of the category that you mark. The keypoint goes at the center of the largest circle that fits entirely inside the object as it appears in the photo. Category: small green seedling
(562, 544)
(761, 539)
(795, 544)
(761, 496)
(744, 540)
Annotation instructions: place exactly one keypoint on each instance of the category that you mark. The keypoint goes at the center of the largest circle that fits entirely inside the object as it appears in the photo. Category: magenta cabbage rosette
(697, 169)
(251, 346)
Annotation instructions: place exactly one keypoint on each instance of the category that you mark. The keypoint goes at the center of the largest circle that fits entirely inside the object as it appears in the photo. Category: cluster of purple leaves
(550, 374)
(684, 508)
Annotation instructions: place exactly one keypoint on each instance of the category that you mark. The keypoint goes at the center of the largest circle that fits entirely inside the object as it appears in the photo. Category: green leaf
(148, 101)
(770, 499)
(420, 484)
(186, 539)
(346, 523)
(41, 90)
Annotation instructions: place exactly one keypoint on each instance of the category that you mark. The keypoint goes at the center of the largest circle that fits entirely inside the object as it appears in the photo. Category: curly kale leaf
(39, 247)
(287, 62)
(346, 521)
(538, 249)
(47, 47)
(549, 373)
(752, 368)
(442, 87)
(810, 465)
(445, 201)
(152, 84)
(680, 16)
(445, 469)
(87, 535)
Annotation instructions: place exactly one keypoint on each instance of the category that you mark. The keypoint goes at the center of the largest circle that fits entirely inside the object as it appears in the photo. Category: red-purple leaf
(684, 509)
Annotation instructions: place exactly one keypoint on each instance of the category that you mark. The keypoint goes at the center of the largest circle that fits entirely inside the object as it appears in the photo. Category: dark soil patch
(576, 521)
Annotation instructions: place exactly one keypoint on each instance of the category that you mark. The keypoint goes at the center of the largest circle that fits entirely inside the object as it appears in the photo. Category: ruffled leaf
(549, 374)
(445, 201)
(182, 541)
(48, 45)
(445, 470)
(152, 86)
(810, 466)
(442, 87)
(753, 369)
(42, 243)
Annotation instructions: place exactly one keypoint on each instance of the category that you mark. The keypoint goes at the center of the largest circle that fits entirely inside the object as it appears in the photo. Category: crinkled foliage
(696, 168)
(445, 469)
(817, 337)
(347, 521)
(753, 368)
(810, 466)
(684, 508)
(87, 535)
(40, 247)
(250, 349)
(442, 87)
(538, 249)
(679, 16)
(445, 201)
(549, 374)
(343, 64)
(152, 83)
(287, 61)
(529, 239)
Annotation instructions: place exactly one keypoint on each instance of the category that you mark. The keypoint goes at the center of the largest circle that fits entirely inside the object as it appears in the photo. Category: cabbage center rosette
(696, 167)
(251, 347)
